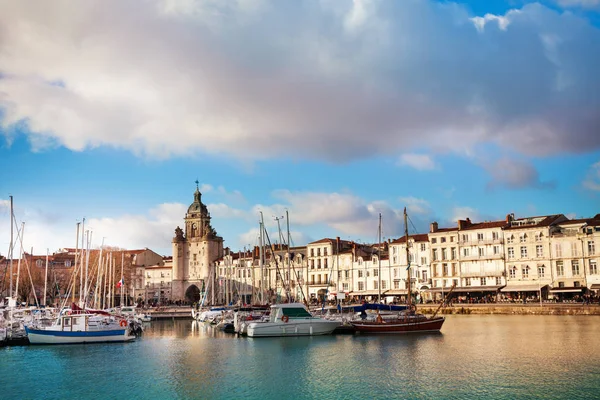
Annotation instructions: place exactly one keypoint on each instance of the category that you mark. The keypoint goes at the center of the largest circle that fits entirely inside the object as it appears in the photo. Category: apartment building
(573, 258)
(324, 265)
(528, 253)
(590, 236)
(445, 269)
(419, 255)
(481, 256)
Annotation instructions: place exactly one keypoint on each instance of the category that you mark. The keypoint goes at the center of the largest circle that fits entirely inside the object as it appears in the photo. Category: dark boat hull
(400, 325)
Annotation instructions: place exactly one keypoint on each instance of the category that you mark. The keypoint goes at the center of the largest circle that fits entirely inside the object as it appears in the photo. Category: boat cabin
(290, 311)
(73, 323)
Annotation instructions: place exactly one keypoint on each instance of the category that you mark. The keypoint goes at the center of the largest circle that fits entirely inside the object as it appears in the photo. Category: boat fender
(285, 318)
(123, 323)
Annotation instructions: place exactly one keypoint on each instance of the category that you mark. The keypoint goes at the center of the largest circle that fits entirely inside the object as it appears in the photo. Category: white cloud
(313, 215)
(154, 230)
(179, 77)
(464, 213)
(480, 22)
(421, 162)
(416, 206)
(222, 210)
(205, 188)
(592, 180)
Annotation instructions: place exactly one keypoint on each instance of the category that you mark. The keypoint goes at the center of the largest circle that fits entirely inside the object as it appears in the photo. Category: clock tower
(194, 251)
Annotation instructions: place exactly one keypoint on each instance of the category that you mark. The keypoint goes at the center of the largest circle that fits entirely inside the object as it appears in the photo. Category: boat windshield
(296, 312)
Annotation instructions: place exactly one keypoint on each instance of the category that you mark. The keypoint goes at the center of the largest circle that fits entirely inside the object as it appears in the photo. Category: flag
(120, 283)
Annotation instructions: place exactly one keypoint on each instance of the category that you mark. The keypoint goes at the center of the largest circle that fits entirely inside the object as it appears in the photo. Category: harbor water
(475, 357)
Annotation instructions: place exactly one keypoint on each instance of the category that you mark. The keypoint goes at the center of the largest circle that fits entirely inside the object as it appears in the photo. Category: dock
(170, 313)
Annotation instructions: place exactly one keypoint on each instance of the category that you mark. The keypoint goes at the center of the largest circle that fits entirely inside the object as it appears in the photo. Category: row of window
(312, 251)
(465, 238)
(483, 281)
(523, 238)
(560, 269)
(361, 285)
(319, 265)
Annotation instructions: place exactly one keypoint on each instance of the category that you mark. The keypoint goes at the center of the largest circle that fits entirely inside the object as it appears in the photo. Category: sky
(329, 111)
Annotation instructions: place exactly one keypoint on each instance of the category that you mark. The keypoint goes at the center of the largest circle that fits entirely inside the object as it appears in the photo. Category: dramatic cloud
(332, 80)
(592, 180)
(417, 161)
(515, 174)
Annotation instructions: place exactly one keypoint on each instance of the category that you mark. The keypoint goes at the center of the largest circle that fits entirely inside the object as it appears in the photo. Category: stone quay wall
(514, 309)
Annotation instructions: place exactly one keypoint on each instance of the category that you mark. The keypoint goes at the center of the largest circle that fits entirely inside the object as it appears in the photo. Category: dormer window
(523, 238)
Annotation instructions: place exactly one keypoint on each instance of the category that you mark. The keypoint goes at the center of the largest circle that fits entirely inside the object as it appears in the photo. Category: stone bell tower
(194, 250)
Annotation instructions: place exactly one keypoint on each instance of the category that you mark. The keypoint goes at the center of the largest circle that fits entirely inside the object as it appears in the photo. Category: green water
(475, 357)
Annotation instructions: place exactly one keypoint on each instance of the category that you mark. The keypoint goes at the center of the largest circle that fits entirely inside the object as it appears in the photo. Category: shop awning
(396, 292)
(523, 288)
(595, 286)
(439, 289)
(566, 290)
(470, 289)
(367, 292)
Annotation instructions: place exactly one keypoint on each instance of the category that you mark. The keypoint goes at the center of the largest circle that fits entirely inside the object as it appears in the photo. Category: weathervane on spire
(197, 184)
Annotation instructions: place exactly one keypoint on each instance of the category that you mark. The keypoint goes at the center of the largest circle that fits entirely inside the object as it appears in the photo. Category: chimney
(433, 227)
(462, 223)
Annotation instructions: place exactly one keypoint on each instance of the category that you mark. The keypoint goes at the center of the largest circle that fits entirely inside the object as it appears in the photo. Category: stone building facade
(195, 251)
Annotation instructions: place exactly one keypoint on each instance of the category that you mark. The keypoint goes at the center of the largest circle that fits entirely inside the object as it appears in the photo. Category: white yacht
(291, 319)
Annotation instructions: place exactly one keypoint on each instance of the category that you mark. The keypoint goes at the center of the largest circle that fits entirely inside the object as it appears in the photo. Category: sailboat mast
(46, 277)
(81, 261)
(75, 266)
(122, 279)
(289, 257)
(98, 291)
(379, 260)
(260, 258)
(409, 297)
(87, 266)
(11, 246)
(20, 256)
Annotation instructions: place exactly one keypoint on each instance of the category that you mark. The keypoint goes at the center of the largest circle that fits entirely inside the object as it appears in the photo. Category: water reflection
(474, 357)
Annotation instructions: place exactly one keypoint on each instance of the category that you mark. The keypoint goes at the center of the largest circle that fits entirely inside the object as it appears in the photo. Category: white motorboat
(291, 319)
(81, 328)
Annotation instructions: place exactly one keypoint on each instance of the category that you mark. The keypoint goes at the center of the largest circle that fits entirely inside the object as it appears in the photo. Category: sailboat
(407, 322)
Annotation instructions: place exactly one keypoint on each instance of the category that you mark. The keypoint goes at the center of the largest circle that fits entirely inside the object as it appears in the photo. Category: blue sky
(334, 111)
